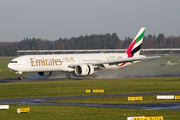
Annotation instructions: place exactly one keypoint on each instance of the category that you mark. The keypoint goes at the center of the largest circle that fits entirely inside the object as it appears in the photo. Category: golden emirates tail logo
(45, 62)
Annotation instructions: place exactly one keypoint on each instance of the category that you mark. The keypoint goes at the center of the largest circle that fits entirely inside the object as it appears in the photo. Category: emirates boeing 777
(79, 64)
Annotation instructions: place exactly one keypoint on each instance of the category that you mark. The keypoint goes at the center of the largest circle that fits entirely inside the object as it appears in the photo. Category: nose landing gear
(19, 75)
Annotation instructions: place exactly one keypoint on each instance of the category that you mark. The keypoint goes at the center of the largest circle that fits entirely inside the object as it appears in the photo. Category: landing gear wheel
(70, 75)
(19, 78)
(19, 75)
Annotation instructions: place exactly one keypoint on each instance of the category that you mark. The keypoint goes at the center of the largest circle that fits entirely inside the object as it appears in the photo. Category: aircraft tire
(19, 78)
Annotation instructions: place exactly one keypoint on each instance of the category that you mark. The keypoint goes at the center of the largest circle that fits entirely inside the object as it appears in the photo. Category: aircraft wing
(112, 62)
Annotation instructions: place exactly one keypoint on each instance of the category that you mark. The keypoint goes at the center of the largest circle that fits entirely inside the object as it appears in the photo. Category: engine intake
(45, 73)
(84, 70)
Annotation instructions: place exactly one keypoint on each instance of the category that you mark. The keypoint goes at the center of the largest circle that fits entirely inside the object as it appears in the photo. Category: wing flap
(113, 62)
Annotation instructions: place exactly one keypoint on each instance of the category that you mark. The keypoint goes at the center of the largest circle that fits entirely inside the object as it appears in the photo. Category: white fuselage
(60, 62)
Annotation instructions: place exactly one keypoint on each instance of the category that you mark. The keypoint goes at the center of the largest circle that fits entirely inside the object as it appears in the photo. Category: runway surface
(45, 79)
(38, 101)
(34, 80)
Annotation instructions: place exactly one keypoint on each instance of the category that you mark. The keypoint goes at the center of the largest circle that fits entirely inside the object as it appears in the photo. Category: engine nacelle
(45, 73)
(84, 70)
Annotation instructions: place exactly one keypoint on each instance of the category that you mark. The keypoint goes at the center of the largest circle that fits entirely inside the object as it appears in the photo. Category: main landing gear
(72, 75)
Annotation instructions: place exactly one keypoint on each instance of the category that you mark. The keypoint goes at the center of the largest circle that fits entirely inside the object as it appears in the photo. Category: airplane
(79, 64)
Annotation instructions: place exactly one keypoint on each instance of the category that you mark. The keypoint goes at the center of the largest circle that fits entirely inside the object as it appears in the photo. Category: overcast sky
(54, 19)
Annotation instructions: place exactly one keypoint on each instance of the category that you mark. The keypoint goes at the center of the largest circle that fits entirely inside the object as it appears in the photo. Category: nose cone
(11, 66)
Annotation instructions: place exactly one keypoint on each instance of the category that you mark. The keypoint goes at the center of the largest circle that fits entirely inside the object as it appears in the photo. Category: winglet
(135, 46)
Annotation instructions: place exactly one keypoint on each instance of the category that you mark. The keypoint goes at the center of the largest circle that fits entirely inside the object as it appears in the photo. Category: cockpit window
(13, 62)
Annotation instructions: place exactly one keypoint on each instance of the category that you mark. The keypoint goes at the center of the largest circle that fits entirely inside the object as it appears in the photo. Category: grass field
(78, 87)
(81, 113)
(117, 100)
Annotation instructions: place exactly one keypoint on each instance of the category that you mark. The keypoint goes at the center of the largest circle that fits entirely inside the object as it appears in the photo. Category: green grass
(81, 113)
(78, 87)
(5, 72)
(116, 100)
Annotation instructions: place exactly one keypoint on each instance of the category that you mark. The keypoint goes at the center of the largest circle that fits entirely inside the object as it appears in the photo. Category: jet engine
(84, 70)
(45, 73)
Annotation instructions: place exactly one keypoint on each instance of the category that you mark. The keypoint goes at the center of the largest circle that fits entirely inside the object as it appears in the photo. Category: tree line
(103, 41)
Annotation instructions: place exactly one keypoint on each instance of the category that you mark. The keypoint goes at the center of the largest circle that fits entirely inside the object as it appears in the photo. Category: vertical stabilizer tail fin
(135, 47)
